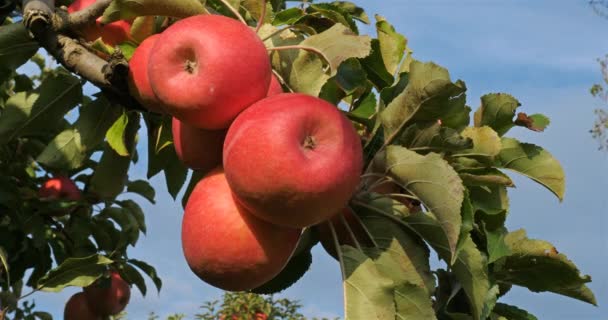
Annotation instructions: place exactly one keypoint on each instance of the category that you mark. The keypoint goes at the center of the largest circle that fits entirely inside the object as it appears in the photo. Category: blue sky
(542, 52)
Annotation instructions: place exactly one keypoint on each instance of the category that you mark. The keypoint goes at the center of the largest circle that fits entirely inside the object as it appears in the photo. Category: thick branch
(111, 77)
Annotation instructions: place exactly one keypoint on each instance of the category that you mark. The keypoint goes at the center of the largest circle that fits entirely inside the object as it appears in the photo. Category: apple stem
(234, 11)
(262, 17)
(350, 232)
(334, 236)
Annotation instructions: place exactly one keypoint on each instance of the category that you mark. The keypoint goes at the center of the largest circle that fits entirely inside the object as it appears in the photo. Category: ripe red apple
(139, 83)
(206, 69)
(261, 316)
(342, 234)
(77, 308)
(60, 187)
(108, 296)
(275, 87)
(293, 159)
(112, 33)
(198, 149)
(225, 245)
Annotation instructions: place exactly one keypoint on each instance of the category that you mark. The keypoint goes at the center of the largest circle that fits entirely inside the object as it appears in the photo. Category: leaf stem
(334, 237)
(262, 17)
(350, 232)
(234, 11)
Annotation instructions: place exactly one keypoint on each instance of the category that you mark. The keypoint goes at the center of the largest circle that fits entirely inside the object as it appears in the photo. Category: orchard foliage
(445, 165)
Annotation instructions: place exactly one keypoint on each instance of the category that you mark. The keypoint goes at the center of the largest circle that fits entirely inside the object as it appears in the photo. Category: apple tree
(434, 172)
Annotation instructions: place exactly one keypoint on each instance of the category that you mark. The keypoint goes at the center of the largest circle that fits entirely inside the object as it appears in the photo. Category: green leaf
(143, 188)
(159, 138)
(129, 226)
(472, 272)
(351, 76)
(486, 177)
(535, 163)
(497, 111)
(288, 16)
(392, 44)
(430, 95)
(148, 270)
(42, 315)
(486, 142)
(435, 183)
(175, 173)
(512, 312)
(116, 135)
(136, 212)
(133, 276)
(297, 266)
(16, 47)
(412, 302)
(142, 28)
(432, 137)
(399, 255)
(353, 10)
(333, 13)
(128, 9)
(72, 147)
(79, 272)
(110, 175)
(536, 265)
(334, 46)
(496, 244)
(492, 200)
(368, 294)
(376, 70)
(196, 176)
(27, 115)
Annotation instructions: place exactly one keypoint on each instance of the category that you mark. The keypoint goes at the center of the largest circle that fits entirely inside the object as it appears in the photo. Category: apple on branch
(77, 308)
(108, 296)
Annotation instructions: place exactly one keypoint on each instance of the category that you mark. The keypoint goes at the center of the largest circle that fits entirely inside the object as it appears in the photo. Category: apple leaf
(485, 177)
(148, 270)
(129, 226)
(142, 188)
(471, 270)
(497, 111)
(175, 172)
(16, 47)
(136, 212)
(537, 265)
(351, 76)
(196, 176)
(132, 275)
(534, 162)
(142, 28)
(129, 9)
(430, 95)
(115, 136)
(110, 175)
(288, 16)
(4, 261)
(70, 148)
(511, 312)
(486, 142)
(536, 122)
(412, 302)
(496, 245)
(353, 10)
(368, 294)
(392, 44)
(31, 114)
(375, 67)
(297, 266)
(79, 272)
(435, 183)
(432, 137)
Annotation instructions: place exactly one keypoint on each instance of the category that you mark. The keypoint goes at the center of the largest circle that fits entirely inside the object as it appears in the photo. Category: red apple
(61, 188)
(206, 69)
(113, 33)
(139, 83)
(225, 245)
(261, 316)
(292, 159)
(77, 308)
(342, 234)
(275, 87)
(198, 149)
(108, 296)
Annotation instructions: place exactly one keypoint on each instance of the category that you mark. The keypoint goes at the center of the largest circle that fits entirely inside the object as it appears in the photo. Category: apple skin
(292, 159)
(60, 187)
(77, 308)
(198, 149)
(206, 69)
(139, 83)
(275, 87)
(109, 300)
(112, 33)
(226, 246)
(344, 237)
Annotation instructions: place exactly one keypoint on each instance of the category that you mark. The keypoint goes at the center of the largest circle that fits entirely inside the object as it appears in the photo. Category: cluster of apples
(99, 300)
(277, 162)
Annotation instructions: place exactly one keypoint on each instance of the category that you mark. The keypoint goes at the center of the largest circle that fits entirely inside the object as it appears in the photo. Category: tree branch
(45, 24)
(87, 15)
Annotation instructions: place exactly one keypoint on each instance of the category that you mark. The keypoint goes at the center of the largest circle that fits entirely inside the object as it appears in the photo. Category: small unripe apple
(61, 188)
(225, 245)
(293, 159)
(108, 296)
(275, 86)
(77, 308)
(343, 235)
(206, 69)
(112, 33)
(198, 149)
(139, 83)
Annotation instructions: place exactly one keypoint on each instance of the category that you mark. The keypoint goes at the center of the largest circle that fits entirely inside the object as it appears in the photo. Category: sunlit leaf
(79, 272)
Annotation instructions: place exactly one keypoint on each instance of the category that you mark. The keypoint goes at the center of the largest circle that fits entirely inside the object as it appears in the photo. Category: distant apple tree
(447, 166)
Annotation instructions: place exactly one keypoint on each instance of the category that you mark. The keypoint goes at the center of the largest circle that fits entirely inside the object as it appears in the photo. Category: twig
(334, 236)
(234, 11)
(262, 17)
